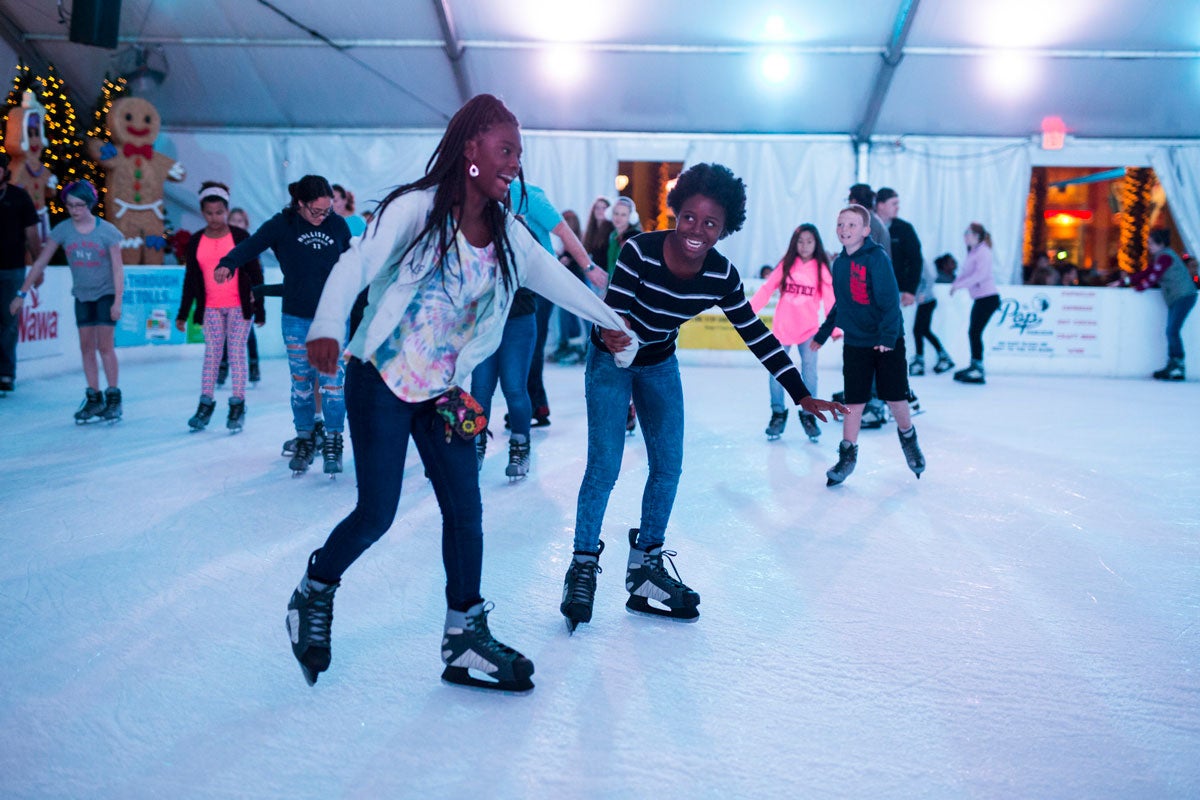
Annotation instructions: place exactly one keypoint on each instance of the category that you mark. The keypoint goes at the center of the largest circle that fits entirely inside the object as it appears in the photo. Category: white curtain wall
(1178, 169)
(946, 185)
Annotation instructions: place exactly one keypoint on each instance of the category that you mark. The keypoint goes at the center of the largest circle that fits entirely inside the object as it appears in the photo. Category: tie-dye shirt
(417, 361)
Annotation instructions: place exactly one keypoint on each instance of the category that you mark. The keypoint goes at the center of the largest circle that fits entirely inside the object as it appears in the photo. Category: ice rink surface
(1022, 622)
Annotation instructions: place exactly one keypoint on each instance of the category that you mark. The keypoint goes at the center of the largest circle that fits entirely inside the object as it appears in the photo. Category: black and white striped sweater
(656, 303)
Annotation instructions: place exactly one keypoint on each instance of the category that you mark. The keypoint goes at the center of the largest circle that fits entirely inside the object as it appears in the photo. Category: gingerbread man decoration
(135, 175)
(25, 142)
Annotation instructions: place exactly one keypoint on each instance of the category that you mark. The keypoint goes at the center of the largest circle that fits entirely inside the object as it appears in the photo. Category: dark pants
(922, 330)
(10, 284)
(380, 426)
(981, 311)
(510, 367)
(537, 389)
(1177, 312)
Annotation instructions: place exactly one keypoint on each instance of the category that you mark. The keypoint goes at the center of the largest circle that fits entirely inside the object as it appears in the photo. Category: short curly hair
(717, 182)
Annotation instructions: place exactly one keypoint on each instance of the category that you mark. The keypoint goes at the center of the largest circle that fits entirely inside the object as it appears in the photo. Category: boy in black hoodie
(867, 309)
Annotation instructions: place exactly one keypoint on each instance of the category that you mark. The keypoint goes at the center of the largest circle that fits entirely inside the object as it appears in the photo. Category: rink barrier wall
(1051, 330)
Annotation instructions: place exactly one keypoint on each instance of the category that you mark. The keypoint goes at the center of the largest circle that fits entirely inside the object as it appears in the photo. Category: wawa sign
(41, 322)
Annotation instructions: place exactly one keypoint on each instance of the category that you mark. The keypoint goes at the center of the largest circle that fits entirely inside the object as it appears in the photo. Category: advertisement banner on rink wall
(152, 296)
(47, 317)
(1038, 324)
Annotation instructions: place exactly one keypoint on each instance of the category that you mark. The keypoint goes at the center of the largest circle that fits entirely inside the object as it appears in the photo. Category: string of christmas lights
(1134, 220)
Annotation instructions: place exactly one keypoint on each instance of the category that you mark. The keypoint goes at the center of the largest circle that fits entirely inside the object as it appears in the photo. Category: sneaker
(647, 580)
(579, 587)
(310, 623)
(944, 364)
(468, 645)
(776, 425)
(847, 460)
(912, 451)
(204, 412)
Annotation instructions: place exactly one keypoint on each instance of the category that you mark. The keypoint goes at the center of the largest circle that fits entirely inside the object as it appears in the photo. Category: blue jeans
(808, 374)
(1176, 314)
(537, 389)
(380, 426)
(510, 366)
(304, 408)
(658, 394)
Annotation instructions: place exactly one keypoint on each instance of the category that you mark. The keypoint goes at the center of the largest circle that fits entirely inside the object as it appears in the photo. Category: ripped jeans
(333, 401)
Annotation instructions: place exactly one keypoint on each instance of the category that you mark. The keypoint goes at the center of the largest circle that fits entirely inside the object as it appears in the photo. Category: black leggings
(921, 330)
(981, 311)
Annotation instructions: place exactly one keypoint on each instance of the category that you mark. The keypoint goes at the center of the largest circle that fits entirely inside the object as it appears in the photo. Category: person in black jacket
(308, 239)
(225, 311)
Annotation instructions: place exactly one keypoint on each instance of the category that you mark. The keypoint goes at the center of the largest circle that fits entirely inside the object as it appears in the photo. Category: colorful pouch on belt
(463, 414)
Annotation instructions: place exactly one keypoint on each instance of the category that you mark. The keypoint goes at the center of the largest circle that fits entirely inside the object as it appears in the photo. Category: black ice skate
(468, 645)
(912, 451)
(289, 447)
(309, 624)
(91, 408)
(811, 430)
(647, 580)
(255, 372)
(972, 374)
(112, 405)
(916, 367)
(875, 414)
(1173, 371)
(847, 460)
(776, 425)
(518, 457)
(6, 385)
(914, 405)
(204, 412)
(944, 364)
(480, 449)
(305, 452)
(222, 373)
(331, 451)
(579, 587)
(237, 415)
(631, 420)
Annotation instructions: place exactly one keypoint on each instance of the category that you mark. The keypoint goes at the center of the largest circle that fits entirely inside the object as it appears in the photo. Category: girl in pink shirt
(805, 284)
(225, 309)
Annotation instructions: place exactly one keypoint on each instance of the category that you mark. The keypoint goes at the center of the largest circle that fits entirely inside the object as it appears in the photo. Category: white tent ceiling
(1109, 68)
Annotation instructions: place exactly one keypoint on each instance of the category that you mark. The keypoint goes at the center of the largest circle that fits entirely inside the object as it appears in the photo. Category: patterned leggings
(221, 326)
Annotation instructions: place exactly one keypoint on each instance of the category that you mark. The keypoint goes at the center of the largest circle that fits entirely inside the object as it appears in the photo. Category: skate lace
(655, 562)
(482, 640)
(518, 453)
(333, 445)
(583, 581)
(319, 616)
(304, 446)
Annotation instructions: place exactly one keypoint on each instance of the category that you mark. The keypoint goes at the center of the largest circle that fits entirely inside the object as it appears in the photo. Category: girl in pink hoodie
(805, 284)
(976, 277)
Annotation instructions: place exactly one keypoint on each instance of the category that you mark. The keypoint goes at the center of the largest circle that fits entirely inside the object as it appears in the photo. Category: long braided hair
(790, 256)
(445, 171)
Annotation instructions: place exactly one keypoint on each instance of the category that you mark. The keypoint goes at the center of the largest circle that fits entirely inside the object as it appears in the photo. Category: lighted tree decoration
(64, 153)
(1035, 217)
(110, 90)
(1135, 217)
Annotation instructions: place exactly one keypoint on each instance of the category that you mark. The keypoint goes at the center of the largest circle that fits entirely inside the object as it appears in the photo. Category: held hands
(814, 345)
(615, 341)
(221, 274)
(907, 298)
(323, 355)
(815, 406)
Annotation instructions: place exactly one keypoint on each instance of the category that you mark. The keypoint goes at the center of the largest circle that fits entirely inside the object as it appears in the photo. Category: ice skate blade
(571, 624)
(832, 482)
(460, 676)
(641, 607)
(774, 437)
(310, 676)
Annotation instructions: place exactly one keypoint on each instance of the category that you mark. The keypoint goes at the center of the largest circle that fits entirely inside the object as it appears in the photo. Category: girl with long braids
(442, 260)
(805, 284)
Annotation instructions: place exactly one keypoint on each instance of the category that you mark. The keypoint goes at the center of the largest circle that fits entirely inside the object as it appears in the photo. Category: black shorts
(863, 365)
(90, 313)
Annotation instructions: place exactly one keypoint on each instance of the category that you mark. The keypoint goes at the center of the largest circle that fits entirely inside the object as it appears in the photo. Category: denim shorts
(90, 313)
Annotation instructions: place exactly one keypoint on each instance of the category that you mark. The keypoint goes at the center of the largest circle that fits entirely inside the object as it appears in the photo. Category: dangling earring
(473, 171)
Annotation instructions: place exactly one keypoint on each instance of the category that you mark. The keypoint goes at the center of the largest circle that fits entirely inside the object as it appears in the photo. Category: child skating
(868, 311)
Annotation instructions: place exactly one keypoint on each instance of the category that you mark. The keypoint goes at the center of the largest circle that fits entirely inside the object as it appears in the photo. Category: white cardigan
(374, 258)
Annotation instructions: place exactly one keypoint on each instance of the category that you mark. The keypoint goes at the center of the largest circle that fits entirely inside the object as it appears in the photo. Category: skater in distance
(868, 311)
(93, 248)
(443, 259)
(662, 279)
